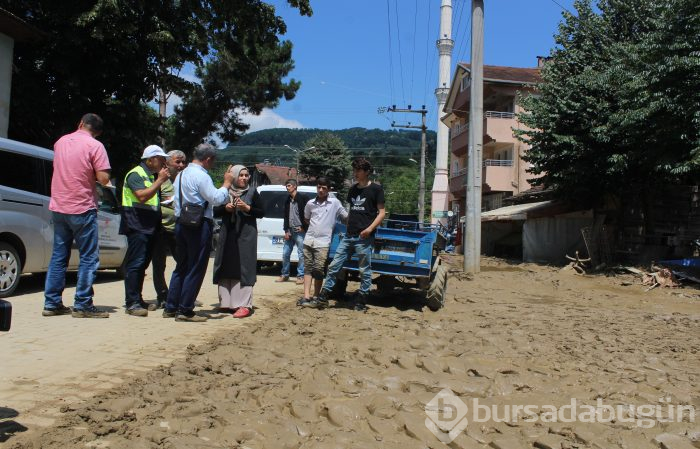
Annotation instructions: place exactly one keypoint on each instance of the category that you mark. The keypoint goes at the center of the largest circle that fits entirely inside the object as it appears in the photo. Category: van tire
(10, 269)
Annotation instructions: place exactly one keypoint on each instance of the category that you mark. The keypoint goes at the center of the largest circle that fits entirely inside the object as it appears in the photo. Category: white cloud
(268, 119)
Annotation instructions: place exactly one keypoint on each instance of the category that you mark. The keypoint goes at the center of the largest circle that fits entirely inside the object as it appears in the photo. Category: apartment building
(504, 173)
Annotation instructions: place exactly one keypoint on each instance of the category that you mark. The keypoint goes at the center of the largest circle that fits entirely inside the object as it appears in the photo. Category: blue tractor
(406, 254)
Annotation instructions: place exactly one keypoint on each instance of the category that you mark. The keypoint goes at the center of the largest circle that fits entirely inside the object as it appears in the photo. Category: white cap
(153, 150)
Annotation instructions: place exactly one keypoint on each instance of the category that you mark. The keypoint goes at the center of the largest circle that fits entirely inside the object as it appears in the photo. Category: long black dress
(237, 249)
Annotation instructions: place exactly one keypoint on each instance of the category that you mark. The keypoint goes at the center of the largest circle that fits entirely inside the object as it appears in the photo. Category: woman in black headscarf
(235, 262)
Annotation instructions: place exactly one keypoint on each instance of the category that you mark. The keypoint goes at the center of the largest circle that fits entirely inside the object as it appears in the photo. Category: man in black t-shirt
(366, 212)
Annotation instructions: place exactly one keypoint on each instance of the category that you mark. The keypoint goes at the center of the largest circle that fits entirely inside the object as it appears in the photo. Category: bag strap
(182, 175)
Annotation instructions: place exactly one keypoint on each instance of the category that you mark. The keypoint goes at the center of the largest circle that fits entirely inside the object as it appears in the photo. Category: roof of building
(16, 28)
(524, 75)
(278, 174)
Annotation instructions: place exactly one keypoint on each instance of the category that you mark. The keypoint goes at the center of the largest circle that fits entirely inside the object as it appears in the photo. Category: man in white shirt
(321, 214)
(193, 244)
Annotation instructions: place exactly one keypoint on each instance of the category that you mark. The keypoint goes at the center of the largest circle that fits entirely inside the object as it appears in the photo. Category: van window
(273, 202)
(107, 201)
(27, 173)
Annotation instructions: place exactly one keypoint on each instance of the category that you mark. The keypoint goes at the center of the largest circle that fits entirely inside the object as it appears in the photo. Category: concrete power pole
(472, 232)
(445, 44)
(421, 188)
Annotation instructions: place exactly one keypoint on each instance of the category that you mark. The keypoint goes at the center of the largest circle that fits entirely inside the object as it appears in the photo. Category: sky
(353, 57)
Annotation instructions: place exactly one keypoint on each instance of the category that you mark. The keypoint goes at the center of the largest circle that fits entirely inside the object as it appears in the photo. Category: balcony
(460, 139)
(498, 127)
(458, 182)
(497, 175)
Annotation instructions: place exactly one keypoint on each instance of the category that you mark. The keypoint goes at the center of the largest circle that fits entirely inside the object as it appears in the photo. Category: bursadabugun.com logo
(448, 415)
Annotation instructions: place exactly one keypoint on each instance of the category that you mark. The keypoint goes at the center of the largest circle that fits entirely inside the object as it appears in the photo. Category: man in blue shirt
(194, 186)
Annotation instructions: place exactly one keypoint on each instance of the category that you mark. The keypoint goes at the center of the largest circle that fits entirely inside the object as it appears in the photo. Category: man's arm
(210, 193)
(342, 213)
(102, 176)
(146, 194)
(377, 221)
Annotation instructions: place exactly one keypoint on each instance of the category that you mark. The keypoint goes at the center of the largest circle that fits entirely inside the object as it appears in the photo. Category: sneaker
(300, 281)
(316, 303)
(242, 312)
(149, 306)
(136, 311)
(192, 318)
(302, 300)
(160, 303)
(282, 279)
(92, 312)
(60, 310)
(168, 314)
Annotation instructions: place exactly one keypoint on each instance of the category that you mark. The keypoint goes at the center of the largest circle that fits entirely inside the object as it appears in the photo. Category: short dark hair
(322, 181)
(291, 181)
(92, 122)
(361, 164)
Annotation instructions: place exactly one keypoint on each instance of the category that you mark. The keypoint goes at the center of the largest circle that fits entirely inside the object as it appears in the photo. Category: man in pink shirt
(79, 162)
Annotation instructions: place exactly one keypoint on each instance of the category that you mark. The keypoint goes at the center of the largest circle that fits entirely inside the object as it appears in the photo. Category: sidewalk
(49, 362)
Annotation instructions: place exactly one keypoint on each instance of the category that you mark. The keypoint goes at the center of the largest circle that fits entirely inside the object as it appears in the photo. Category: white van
(270, 232)
(26, 229)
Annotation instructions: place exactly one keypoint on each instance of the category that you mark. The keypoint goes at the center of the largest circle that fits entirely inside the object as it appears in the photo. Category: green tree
(401, 188)
(618, 102)
(113, 57)
(328, 157)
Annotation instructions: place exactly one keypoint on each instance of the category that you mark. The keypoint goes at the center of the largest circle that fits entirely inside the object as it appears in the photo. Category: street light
(298, 152)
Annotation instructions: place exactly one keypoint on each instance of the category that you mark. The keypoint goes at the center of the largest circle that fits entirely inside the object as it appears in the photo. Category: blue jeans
(296, 239)
(347, 247)
(138, 256)
(193, 246)
(66, 228)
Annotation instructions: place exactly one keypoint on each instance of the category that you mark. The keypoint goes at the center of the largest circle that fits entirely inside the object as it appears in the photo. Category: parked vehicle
(406, 254)
(270, 232)
(26, 228)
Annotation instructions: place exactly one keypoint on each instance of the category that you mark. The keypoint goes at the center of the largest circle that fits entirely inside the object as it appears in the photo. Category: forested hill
(354, 138)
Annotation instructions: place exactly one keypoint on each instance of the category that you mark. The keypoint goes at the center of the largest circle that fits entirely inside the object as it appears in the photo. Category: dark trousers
(193, 246)
(164, 242)
(138, 256)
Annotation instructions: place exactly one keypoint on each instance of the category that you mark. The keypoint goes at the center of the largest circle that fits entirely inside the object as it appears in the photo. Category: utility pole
(423, 128)
(472, 231)
(445, 44)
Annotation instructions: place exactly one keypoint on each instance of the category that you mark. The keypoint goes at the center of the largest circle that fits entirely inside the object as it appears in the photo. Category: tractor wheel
(435, 298)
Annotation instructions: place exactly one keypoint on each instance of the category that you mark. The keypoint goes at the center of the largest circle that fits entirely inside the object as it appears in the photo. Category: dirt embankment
(516, 334)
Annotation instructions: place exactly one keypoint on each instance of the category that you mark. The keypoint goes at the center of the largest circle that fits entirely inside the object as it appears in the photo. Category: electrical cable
(398, 40)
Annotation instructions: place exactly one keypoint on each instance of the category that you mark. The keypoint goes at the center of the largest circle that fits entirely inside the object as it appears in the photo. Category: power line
(413, 56)
(391, 63)
(427, 46)
(398, 40)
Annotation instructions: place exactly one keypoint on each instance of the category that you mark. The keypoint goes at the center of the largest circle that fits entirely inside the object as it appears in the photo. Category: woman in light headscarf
(235, 262)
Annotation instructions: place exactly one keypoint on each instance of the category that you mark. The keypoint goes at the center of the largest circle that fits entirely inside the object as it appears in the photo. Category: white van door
(113, 245)
(270, 232)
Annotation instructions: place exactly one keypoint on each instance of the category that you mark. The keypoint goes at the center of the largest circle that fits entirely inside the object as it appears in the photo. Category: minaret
(441, 194)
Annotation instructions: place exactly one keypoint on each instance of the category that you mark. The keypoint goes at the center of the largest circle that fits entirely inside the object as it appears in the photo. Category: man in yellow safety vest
(141, 218)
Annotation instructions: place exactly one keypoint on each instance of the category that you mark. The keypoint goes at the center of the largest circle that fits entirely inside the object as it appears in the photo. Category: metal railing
(459, 129)
(458, 173)
(497, 114)
(498, 163)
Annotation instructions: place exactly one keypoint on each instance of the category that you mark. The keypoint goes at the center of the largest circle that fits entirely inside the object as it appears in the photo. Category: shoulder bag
(191, 214)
